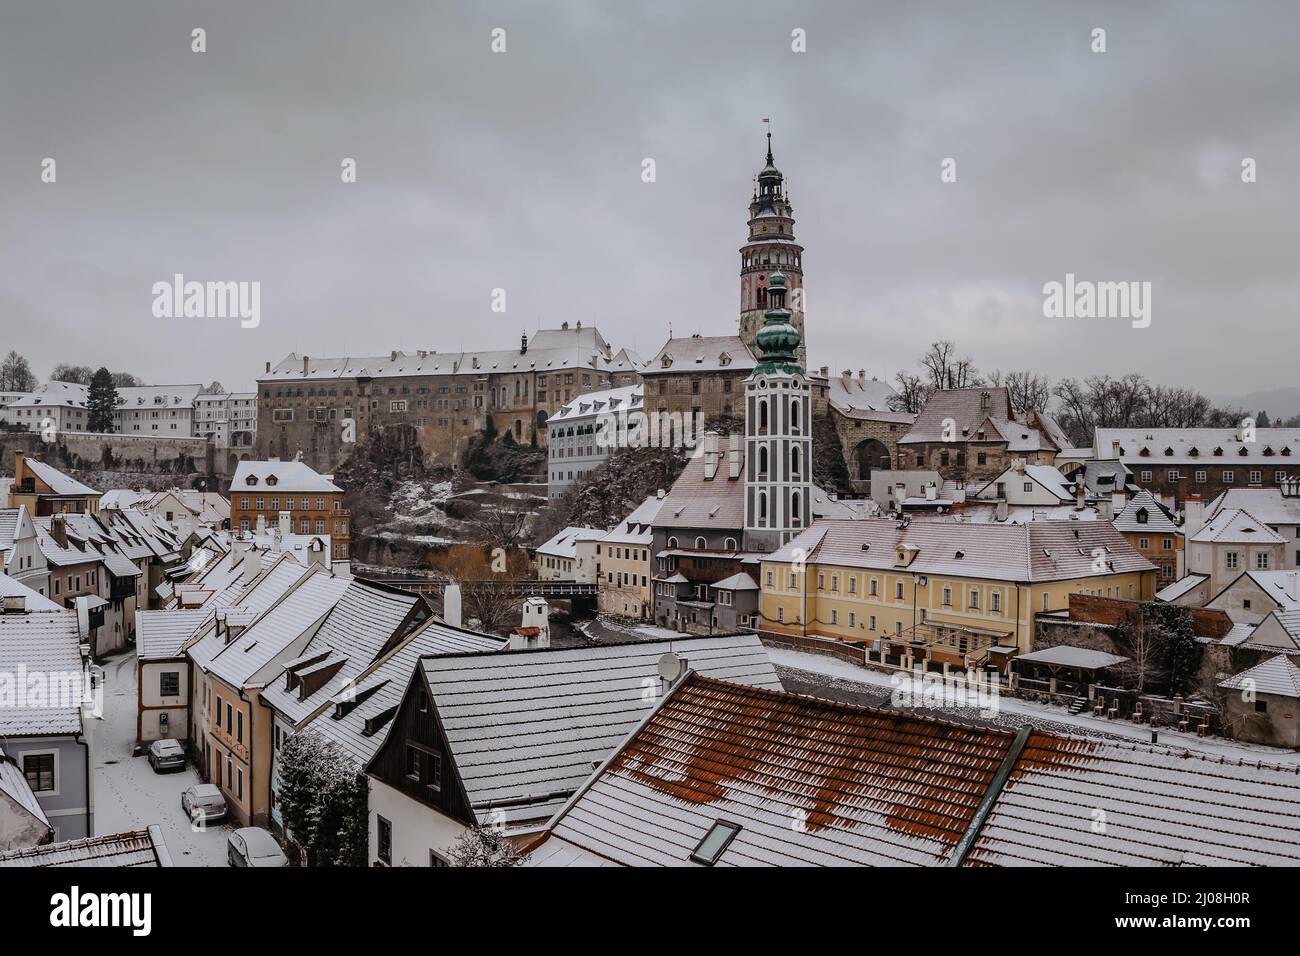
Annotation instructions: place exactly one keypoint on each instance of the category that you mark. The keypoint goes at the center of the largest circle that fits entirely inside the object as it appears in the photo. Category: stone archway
(869, 455)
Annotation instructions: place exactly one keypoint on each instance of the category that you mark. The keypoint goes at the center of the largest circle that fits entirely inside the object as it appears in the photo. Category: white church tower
(778, 432)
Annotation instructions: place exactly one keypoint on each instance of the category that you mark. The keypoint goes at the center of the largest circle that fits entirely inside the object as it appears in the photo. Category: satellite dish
(671, 667)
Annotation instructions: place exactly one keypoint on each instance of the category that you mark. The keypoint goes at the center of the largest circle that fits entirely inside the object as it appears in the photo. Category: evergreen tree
(102, 402)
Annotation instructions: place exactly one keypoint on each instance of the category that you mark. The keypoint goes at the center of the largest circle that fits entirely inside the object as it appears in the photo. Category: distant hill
(1280, 403)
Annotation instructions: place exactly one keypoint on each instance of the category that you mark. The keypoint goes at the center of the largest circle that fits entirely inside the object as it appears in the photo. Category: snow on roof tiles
(1277, 675)
(1206, 447)
(1236, 526)
(49, 643)
(135, 848)
(58, 482)
(527, 727)
(290, 476)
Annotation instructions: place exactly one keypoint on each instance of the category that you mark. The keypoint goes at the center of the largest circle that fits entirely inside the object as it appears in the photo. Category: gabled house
(503, 739)
(41, 726)
(23, 822)
(625, 563)
(1147, 525)
(21, 556)
(47, 491)
(972, 433)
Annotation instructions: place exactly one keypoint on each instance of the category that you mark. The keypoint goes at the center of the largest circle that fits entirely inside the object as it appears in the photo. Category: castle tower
(771, 246)
(778, 431)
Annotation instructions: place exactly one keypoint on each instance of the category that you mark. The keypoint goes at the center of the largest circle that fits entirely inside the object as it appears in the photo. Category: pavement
(129, 795)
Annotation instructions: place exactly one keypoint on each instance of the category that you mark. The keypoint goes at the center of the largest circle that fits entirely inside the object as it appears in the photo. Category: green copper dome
(777, 340)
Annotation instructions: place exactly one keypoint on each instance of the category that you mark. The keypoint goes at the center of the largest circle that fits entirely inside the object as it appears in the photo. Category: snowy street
(128, 794)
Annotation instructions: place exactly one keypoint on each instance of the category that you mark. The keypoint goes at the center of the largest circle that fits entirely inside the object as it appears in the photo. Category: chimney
(862, 376)
(13, 604)
(826, 371)
(59, 530)
(306, 361)
(523, 343)
(1000, 511)
(931, 492)
(660, 494)
(252, 565)
(268, 368)
(261, 524)
(1114, 450)
(1078, 495)
(316, 553)
(392, 356)
(733, 456)
(1105, 508)
(451, 605)
(847, 375)
(711, 455)
(1117, 501)
(1193, 515)
(286, 522)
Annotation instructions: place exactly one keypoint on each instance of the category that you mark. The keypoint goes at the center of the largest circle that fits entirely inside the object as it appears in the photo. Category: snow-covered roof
(591, 405)
(564, 544)
(365, 620)
(45, 642)
(1036, 551)
(1203, 447)
(854, 397)
(526, 727)
(1143, 514)
(283, 476)
(294, 616)
(1235, 526)
(14, 785)
(134, 848)
(1063, 655)
(786, 780)
(161, 635)
(740, 581)
(1045, 476)
(57, 481)
(637, 527)
(548, 350)
(33, 600)
(1277, 675)
(54, 394)
(1269, 505)
(156, 397)
(360, 727)
(701, 353)
(1172, 592)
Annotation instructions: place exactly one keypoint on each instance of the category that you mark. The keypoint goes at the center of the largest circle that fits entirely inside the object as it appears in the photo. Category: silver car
(253, 846)
(166, 755)
(203, 803)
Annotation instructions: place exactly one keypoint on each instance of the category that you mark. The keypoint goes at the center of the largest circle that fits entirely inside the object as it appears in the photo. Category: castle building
(771, 247)
(778, 431)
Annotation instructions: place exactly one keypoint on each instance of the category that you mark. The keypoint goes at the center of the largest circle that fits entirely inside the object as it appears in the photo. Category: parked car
(166, 755)
(203, 803)
(253, 846)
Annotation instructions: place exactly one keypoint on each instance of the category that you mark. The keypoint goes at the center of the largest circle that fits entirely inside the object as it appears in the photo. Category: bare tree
(73, 374)
(944, 369)
(16, 374)
(502, 526)
(1029, 391)
(911, 393)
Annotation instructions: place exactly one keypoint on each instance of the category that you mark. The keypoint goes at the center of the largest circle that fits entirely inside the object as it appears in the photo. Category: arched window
(794, 462)
(796, 513)
(762, 414)
(794, 414)
(762, 507)
(701, 543)
(762, 461)
(730, 544)
(672, 542)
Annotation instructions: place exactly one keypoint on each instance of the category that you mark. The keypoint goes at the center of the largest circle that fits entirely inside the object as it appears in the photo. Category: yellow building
(624, 564)
(963, 594)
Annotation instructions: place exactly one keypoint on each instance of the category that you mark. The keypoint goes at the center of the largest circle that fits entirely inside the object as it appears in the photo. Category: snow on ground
(878, 684)
(128, 794)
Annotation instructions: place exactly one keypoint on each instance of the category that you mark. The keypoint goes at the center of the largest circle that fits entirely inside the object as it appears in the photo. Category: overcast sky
(522, 171)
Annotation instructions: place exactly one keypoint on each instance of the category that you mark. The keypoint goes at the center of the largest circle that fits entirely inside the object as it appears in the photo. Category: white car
(166, 754)
(203, 803)
(253, 846)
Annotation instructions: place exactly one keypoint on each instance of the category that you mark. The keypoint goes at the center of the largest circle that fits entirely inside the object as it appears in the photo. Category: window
(1231, 559)
(1146, 475)
(169, 684)
(438, 861)
(715, 842)
(1261, 561)
(1144, 543)
(898, 590)
(39, 771)
(1167, 544)
(975, 600)
(1256, 477)
(947, 597)
(1200, 477)
(384, 841)
(1227, 477)
(239, 734)
(239, 784)
(835, 616)
(230, 721)
(995, 602)
(412, 762)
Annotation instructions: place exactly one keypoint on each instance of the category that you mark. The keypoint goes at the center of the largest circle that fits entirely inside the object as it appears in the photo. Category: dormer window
(1218, 452)
(1169, 452)
(1145, 453)
(1268, 451)
(1142, 516)
(271, 480)
(666, 361)
(251, 480)
(724, 359)
(1244, 452)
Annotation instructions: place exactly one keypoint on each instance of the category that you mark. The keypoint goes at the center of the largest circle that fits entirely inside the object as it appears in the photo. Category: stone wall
(90, 451)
